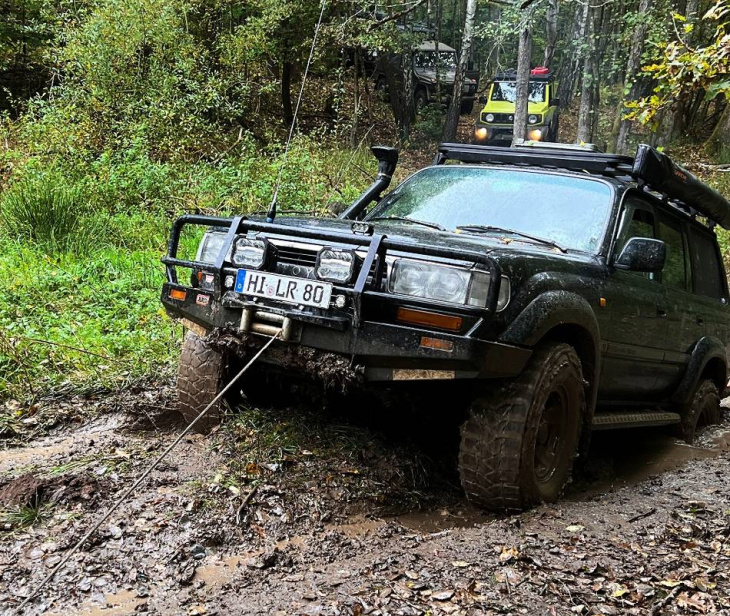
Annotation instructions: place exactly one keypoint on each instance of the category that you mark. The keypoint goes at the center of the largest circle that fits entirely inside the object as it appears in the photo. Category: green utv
(566, 290)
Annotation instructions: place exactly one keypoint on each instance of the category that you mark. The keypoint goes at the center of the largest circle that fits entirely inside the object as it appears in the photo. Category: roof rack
(558, 158)
(651, 169)
(511, 75)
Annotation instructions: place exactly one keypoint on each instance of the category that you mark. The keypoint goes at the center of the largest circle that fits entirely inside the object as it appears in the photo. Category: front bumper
(364, 333)
(496, 133)
(380, 351)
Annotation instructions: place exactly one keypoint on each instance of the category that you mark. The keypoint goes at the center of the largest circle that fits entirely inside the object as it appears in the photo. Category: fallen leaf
(460, 564)
(443, 595)
(508, 554)
(575, 528)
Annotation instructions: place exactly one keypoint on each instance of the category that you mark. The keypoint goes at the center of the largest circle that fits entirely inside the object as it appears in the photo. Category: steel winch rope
(272, 206)
(141, 478)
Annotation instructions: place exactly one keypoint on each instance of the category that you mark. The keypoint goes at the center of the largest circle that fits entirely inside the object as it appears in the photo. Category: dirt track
(291, 513)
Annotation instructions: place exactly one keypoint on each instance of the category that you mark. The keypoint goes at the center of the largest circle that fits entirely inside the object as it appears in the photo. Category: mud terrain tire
(519, 441)
(199, 378)
(703, 410)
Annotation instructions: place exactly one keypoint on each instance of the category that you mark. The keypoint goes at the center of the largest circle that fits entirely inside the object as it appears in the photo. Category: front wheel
(420, 100)
(201, 373)
(519, 441)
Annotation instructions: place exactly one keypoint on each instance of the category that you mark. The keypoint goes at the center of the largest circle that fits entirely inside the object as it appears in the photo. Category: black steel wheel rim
(550, 437)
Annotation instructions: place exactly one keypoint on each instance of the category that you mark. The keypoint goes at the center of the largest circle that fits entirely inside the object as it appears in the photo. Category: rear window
(708, 271)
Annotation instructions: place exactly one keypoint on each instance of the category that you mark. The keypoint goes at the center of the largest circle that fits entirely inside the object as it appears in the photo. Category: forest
(118, 115)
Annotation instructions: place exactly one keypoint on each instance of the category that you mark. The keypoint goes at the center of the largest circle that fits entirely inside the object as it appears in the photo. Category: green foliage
(683, 69)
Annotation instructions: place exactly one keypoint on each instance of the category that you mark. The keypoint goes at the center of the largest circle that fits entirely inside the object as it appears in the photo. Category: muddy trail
(297, 511)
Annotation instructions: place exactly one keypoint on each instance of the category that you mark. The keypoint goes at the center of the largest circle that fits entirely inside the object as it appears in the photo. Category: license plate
(283, 288)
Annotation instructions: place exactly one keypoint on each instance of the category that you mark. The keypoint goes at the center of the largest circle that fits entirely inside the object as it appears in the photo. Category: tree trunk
(586, 109)
(286, 71)
(551, 32)
(407, 107)
(569, 74)
(632, 68)
(719, 143)
(452, 116)
(522, 91)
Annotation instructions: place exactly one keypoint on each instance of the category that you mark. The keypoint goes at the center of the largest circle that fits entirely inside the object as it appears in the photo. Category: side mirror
(554, 102)
(642, 254)
(482, 100)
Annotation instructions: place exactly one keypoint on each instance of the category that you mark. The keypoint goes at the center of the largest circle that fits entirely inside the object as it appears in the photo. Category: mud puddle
(628, 457)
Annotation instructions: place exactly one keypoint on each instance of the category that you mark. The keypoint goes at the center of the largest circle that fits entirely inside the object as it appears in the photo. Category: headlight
(444, 283)
(533, 118)
(481, 133)
(249, 253)
(336, 265)
(489, 117)
(210, 246)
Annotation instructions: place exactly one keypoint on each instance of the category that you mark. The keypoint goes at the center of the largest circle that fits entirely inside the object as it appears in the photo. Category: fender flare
(555, 309)
(706, 350)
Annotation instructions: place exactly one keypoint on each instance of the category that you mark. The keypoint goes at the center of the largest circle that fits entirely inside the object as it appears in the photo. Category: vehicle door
(632, 348)
(710, 314)
(677, 311)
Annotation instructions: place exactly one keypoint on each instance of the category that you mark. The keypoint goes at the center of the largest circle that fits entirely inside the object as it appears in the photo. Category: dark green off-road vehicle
(565, 291)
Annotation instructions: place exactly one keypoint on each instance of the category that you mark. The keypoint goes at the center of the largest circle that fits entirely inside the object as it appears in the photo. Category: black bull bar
(377, 246)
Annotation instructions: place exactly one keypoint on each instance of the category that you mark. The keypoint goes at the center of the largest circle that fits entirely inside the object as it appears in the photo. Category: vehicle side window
(674, 273)
(706, 265)
(639, 222)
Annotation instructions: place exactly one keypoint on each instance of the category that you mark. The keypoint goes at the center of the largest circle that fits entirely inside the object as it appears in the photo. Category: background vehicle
(602, 304)
(496, 119)
(429, 69)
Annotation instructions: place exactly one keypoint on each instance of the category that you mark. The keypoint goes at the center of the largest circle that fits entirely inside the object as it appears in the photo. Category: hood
(417, 235)
(445, 76)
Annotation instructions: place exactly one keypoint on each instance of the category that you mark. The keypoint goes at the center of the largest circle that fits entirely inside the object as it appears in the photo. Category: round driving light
(340, 301)
(536, 134)
(228, 282)
(481, 133)
(532, 119)
(489, 117)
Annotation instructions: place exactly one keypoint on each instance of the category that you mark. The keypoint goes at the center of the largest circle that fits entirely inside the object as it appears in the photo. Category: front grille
(500, 118)
(295, 255)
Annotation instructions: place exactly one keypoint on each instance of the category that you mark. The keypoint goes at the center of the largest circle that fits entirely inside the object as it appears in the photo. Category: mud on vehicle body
(561, 290)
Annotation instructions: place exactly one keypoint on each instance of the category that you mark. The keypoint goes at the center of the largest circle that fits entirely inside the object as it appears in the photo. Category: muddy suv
(434, 72)
(560, 291)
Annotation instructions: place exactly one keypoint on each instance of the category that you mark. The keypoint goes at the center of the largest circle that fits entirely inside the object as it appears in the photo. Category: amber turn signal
(429, 319)
(437, 343)
(178, 294)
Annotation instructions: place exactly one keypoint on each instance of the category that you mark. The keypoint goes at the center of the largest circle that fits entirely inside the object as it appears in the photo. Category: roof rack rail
(651, 169)
(612, 165)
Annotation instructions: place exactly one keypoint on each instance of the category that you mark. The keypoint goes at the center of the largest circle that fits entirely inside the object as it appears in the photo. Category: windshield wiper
(491, 229)
(433, 225)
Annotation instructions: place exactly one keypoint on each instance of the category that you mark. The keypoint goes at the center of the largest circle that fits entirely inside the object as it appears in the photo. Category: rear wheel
(201, 374)
(420, 100)
(519, 442)
(703, 410)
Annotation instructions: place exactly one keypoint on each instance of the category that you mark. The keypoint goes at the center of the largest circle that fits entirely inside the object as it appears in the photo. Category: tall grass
(46, 210)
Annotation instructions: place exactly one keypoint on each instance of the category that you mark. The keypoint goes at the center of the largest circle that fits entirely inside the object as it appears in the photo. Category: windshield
(506, 91)
(427, 60)
(570, 211)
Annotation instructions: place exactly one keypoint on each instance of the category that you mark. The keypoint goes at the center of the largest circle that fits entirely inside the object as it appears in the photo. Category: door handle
(660, 312)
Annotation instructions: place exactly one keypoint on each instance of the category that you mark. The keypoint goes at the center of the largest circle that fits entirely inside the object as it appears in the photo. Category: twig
(245, 502)
(641, 516)
(663, 603)
(73, 348)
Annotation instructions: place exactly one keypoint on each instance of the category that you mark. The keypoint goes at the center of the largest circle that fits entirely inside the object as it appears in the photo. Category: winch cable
(271, 214)
(142, 477)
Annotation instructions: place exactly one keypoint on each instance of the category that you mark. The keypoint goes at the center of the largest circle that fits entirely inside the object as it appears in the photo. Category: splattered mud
(291, 512)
